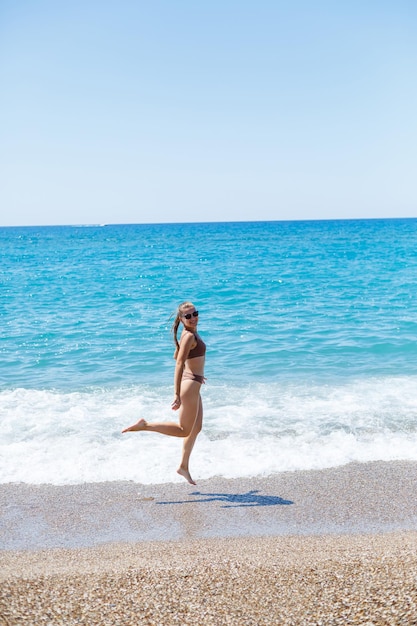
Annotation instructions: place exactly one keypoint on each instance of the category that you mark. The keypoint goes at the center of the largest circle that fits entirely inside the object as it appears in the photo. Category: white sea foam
(62, 438)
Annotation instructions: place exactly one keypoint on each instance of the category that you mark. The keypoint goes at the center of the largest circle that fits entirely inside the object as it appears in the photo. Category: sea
(310, 327)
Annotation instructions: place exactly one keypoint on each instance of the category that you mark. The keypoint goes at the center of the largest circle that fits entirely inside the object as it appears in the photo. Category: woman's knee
(186, 431)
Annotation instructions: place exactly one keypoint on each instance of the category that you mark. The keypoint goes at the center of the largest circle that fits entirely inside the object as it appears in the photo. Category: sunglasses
(188, 316)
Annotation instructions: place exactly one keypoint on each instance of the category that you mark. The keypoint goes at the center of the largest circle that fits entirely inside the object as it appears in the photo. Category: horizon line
(105, 224)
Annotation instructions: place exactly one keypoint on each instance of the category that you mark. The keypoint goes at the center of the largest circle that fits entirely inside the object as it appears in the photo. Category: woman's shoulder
(187, 335)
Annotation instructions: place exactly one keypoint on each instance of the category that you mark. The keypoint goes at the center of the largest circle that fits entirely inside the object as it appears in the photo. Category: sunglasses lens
(188, 316)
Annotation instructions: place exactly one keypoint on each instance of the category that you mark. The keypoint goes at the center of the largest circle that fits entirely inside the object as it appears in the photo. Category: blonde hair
(181, 308)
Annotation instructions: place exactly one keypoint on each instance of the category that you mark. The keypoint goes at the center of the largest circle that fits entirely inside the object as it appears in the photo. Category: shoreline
(289, 551)
(332, 547)
(376, 497)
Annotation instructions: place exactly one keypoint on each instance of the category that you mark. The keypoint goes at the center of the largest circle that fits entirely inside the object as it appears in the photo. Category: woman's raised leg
(190, 397)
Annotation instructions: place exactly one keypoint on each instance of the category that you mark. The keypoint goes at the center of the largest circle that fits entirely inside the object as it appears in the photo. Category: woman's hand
(176, 404)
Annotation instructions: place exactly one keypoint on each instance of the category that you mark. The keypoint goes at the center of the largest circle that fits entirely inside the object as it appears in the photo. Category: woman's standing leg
(188, 444)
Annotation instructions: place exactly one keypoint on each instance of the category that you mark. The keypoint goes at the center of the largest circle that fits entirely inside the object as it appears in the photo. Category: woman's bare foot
(140, 425)
(186, 474)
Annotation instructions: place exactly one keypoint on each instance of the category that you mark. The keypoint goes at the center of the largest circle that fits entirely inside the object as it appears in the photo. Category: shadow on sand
(250, 498)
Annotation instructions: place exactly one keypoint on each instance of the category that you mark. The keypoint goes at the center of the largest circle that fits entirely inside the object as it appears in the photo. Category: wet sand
(328, 547)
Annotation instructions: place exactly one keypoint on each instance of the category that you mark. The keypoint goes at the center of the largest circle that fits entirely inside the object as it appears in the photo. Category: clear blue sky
(190, 110)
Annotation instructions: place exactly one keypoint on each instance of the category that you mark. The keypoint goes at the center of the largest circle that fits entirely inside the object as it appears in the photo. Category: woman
(188, 378)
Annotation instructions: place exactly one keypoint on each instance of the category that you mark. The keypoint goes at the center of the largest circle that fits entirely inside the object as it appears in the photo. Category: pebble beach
(335, 546)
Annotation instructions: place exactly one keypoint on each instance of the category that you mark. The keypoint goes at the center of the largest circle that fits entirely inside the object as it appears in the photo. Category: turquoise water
(310, 326)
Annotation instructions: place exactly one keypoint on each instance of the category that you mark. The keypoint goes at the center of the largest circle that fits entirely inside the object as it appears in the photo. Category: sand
(328, 547)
